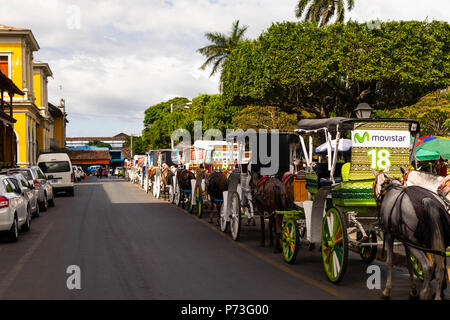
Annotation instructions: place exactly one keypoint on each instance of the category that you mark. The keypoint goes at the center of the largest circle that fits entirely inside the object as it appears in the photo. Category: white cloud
(128, 55)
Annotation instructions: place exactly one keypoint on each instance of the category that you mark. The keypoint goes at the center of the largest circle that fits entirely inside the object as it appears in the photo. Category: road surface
(129, 245)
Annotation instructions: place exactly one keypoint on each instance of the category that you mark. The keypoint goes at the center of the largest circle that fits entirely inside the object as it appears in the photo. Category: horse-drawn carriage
(341, 210)
(262, 159)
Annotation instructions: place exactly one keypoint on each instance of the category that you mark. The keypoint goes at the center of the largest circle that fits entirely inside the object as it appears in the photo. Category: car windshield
(56, 166)
(25, 173)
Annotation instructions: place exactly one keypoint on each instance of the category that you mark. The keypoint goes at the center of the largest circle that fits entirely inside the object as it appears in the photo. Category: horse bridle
(406, 177)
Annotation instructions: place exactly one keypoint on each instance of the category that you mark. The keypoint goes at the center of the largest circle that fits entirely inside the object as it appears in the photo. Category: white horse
(400, 220)
(428, 181)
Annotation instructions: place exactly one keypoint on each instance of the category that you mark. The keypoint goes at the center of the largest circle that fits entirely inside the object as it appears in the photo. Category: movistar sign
(381, 138)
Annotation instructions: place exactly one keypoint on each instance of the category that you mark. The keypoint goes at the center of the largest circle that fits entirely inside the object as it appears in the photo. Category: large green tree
(266, 117)
(221, 46)
(432, 111)
(320, 12)
(300, 67)
(211, 110)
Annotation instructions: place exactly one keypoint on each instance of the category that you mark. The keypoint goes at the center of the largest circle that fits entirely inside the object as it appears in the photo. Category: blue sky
(111, 59)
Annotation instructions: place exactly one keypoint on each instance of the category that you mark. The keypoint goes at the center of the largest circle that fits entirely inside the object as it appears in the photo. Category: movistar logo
(362, 139)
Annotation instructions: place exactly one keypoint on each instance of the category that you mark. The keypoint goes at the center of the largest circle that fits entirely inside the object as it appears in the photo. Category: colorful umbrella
(438, 145)
(344, 145)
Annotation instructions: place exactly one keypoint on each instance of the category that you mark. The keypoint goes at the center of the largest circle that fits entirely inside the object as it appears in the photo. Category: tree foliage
(267, 117)
(432, 111)
(320, 12)
(221, 46)
(209, 109)
(139, 145)
(300, 67)
(100, 144)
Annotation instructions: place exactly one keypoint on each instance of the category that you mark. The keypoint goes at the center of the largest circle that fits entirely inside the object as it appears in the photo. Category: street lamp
(363, 111)
(185, 106)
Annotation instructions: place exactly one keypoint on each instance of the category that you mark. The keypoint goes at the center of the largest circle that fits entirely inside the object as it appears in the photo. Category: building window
(4, 65)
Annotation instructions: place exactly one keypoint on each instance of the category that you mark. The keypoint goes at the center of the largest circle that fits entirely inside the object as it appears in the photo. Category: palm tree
(321, 11)
(221, 46)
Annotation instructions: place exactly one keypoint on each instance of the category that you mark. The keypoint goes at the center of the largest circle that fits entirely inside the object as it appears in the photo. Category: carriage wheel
(235, 223)
(290, 241)
(416, 267)
(171, 196)
(189, 203)
(178, 197)
(334, 245)
(158, 190)
(368, 254)
(199, 201)
(223, 218)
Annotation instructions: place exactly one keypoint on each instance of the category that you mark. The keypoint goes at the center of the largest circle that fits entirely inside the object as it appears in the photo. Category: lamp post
(363, 111)
(185, 106)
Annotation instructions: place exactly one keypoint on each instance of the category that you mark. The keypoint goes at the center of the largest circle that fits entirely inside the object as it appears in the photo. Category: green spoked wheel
(290, 241)
(199, 202)
(334, 245)
(190, 208)
(367, 253)
(416, 267)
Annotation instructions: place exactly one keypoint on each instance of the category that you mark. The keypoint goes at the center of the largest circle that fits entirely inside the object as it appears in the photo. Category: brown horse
(216, 184)
(184, 179)
(269, 196)
(166, 177)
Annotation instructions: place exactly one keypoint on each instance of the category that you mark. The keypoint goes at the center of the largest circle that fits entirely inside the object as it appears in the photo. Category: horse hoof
(413, 297)
(385, 297)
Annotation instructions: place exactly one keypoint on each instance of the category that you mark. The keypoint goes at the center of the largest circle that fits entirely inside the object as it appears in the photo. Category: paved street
(131, 246)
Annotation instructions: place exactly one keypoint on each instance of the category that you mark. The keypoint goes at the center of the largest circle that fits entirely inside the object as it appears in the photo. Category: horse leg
(278, 224)
(263, 237)
(427, 269)
(413, 288)
(389, 240)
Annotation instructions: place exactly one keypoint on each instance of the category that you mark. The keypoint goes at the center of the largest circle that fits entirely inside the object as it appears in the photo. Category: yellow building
(58, 131)
(16, 54)
(41, 71)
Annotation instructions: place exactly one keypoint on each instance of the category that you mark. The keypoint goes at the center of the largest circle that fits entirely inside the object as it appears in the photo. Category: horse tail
(435, 220)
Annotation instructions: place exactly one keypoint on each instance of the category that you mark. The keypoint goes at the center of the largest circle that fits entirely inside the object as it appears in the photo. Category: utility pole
(131, 146)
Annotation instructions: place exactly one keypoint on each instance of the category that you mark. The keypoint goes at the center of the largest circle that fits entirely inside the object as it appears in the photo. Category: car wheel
(44, 204)
(51, 202)
(26, 226)
(38, 210)
(13, 233)
(71, 192)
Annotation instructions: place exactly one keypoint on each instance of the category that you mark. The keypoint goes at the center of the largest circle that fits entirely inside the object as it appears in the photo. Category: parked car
(42, 187)
(15, 213)
(27, 191)
(77, 173)
(82, 173)
(58, 169)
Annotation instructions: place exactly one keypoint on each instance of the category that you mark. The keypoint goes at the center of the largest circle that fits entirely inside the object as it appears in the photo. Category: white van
(58, 169)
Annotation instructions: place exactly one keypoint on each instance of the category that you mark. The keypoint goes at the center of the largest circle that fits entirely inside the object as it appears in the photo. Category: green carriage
(340, 210)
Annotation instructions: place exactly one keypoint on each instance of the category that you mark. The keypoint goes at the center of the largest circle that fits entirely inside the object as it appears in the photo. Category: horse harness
(386, 186)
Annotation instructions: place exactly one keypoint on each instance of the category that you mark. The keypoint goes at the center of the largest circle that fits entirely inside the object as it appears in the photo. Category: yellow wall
(21, 130)
(58, 131)
(16, 61)
(37, 89)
